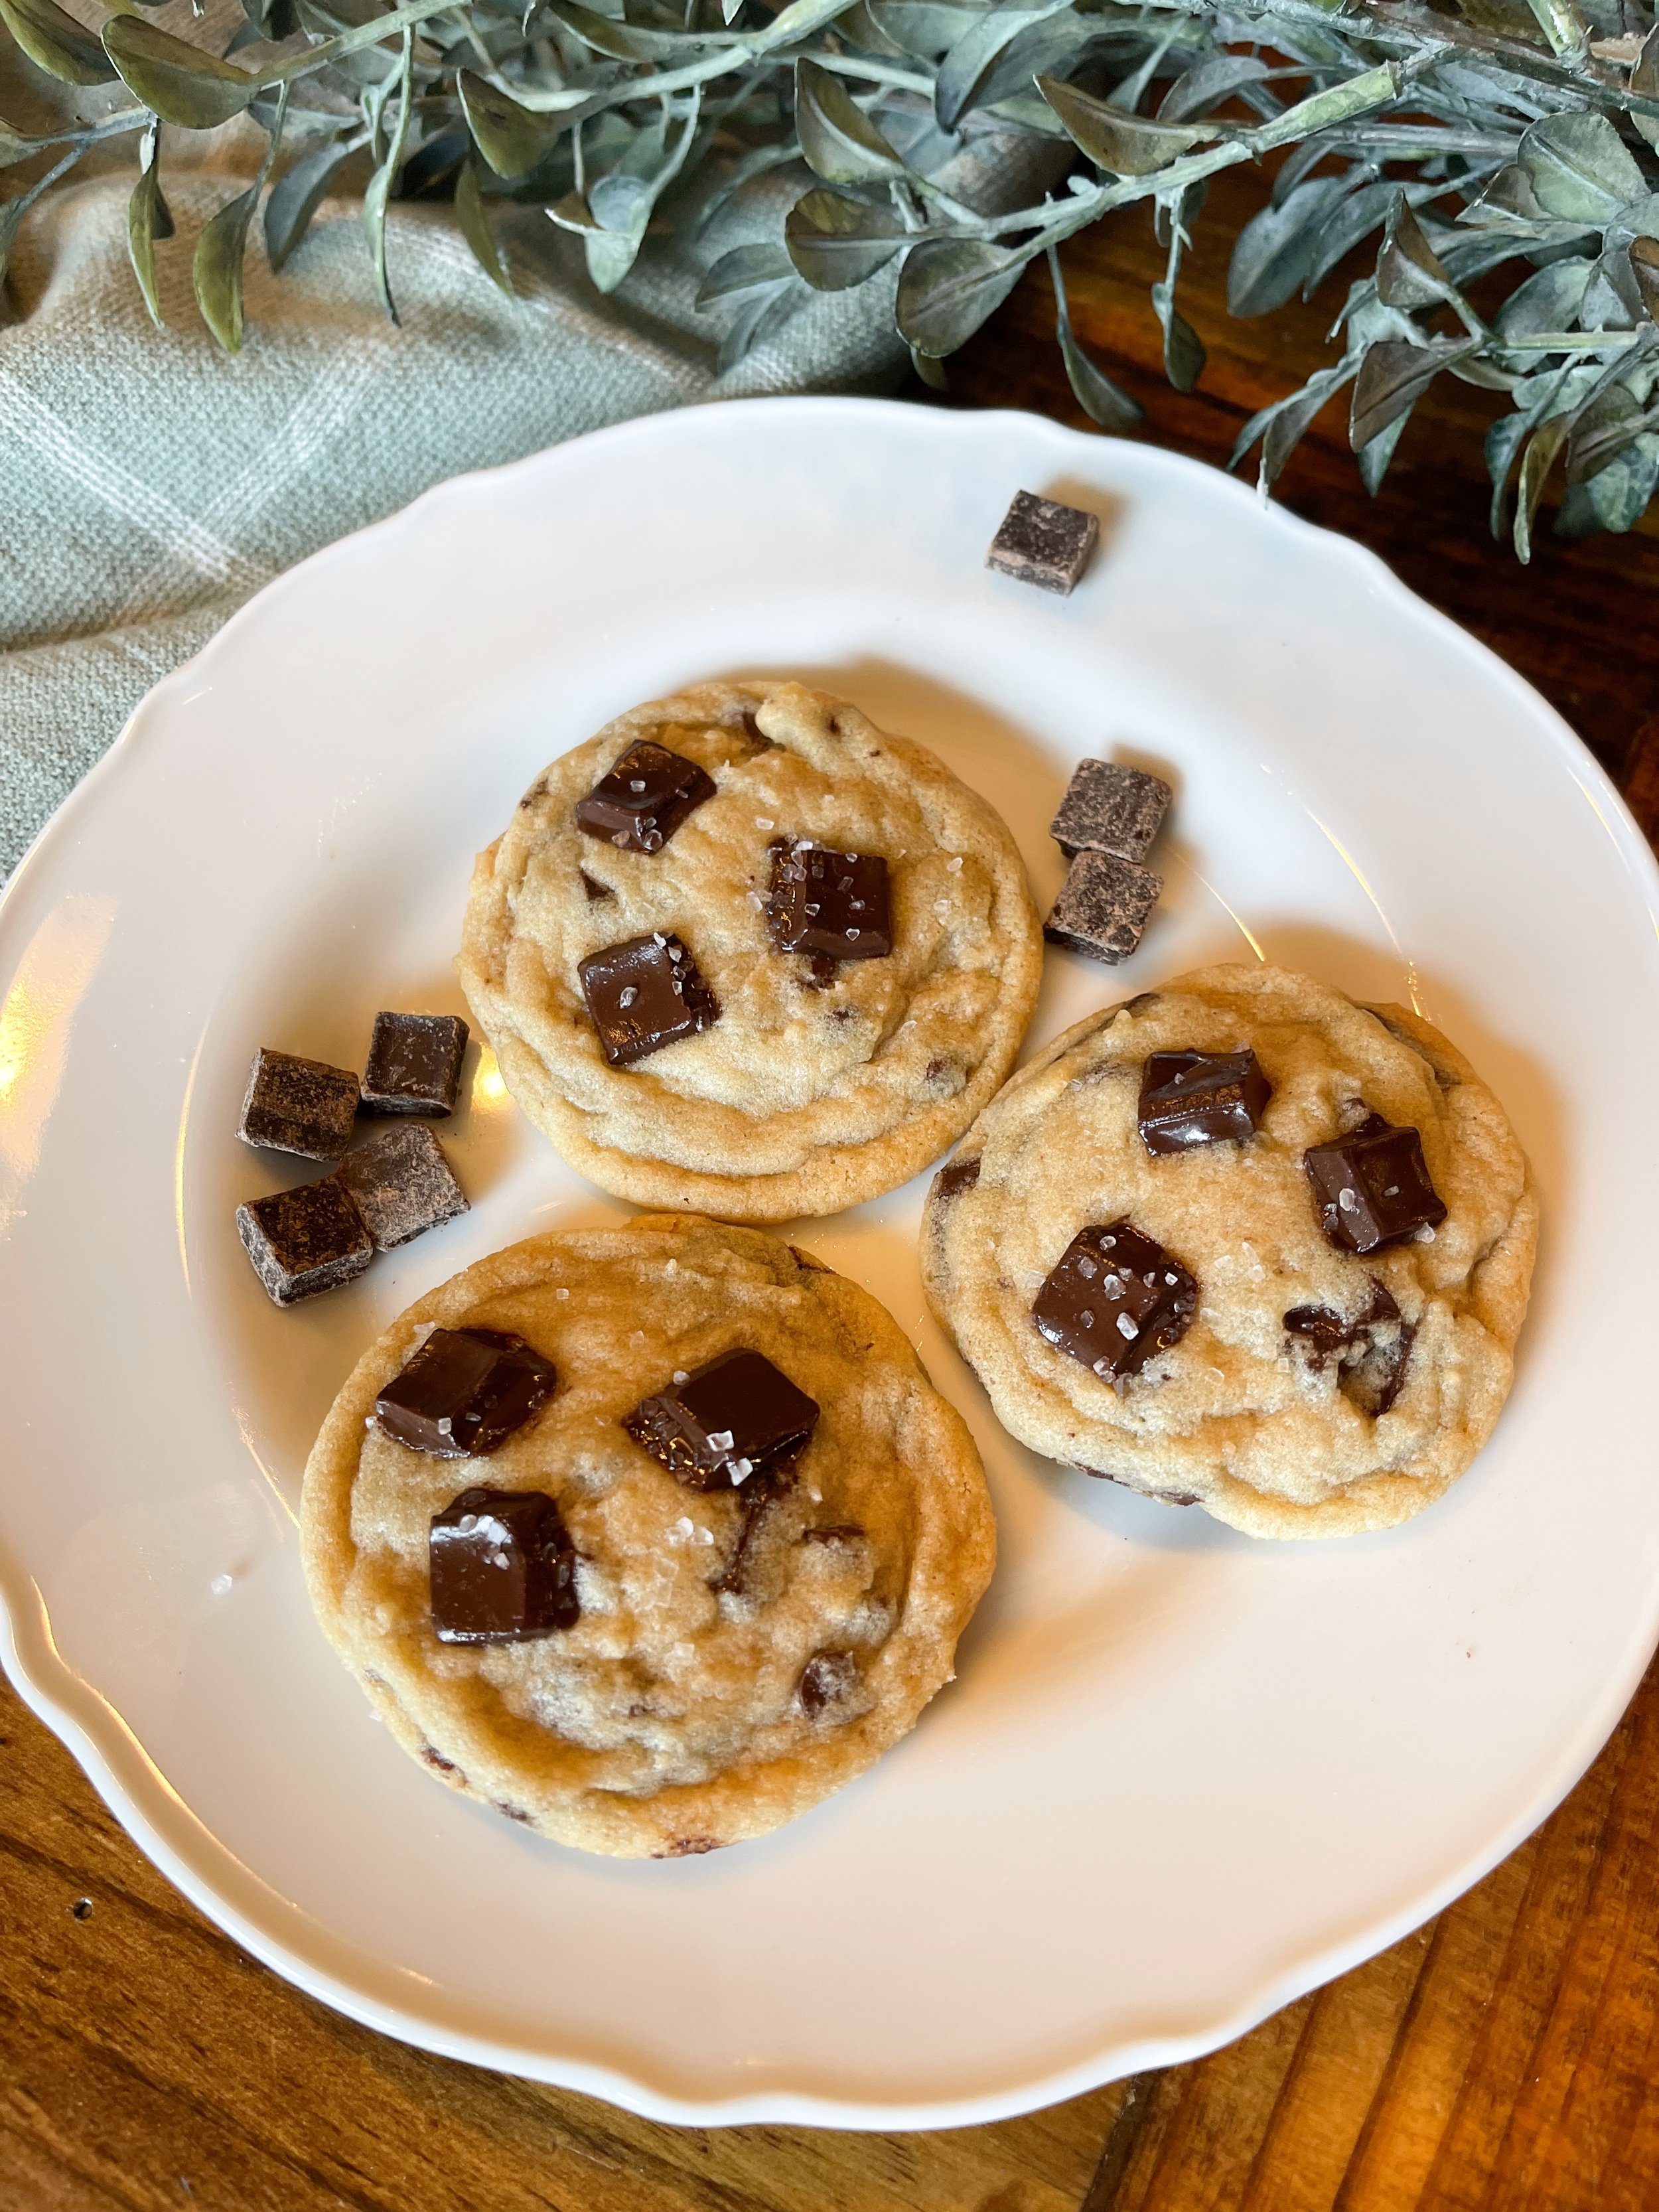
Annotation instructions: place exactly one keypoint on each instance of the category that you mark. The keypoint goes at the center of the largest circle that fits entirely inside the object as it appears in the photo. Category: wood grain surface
(1501, 2059)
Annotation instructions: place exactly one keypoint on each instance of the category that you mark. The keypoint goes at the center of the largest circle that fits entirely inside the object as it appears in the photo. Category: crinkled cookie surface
(1240, 1416)
(670, 1719)
(805, 1095)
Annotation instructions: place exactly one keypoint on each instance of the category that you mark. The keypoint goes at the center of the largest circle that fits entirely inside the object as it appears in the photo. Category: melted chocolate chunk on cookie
(1372, 1187)
(504, 1569)
(1192, 1098)
(644, 993)
(464, 1393)
(294, 1105)
(832, 904)
(594, 890)
(736, 1418)
(644, 800)
(1114, 1297)
(1371, 1350)
(954, 1177)
(826, 1679)
(414, 1064)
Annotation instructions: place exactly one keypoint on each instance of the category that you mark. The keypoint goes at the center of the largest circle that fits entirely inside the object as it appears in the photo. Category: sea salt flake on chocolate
(1134, 1300)
(403, 1185)
(294, 1105)
(1110, 808)
(644, 993)
(503, 1569)
(414, 1064)
(1192, 1098)
(305, 1242)
(1044, 542)
(1103, 907)
(736, 1409)
(464, 1393)
(832, 904)
(1372, 1186)
(649, 792)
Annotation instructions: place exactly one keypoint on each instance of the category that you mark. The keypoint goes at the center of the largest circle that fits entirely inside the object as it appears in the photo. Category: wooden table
(1500, 2060)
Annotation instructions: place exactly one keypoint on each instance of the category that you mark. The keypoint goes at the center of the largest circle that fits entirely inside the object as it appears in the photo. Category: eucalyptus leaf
(1579, 167)
(841, 143)
(1612, 300)
(1274, 251)
(1101, 400)
(1281, 426)
(1127, 145)
(1547, 301)
(181, 83)
(1538, 460)
(149, 218)
(970, 60)
(948, 287)
(755, 322)
(836, 242)
(1409, 273)
(744, 268)
(14, 146)
(1616, 497)
(475, 226)
(1644, 270)
(295, 199)
(1208, 83)
(379, 184)
(216, 269)
(1601, 430)
(1644, 79)
(1353, 217)
(1056, 45)
(11, 221)
(511, 138)
(1503, 441)
(1393, 376)
(1183, 349)
(55, 42)
(921, 28)
(1374, 459)
(626, 42)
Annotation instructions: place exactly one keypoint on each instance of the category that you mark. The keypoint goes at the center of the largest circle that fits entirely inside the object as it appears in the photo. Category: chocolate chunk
(504, 1569)
(644, 800)
(1371, 1350)
(402, 1185)
(833, 904)
(306, 1241)
(1103, 907)
(595, 891)
(301, 1106)
(414, 1064)
(735, 1418)
(464, 1393)
(1372, 1187)
(1192, 1098)
(1108, 808)
(731, 1577)
(954, 1177)
(644, 993)
(826, 1679)
(1042, 542)
(1114, 1297)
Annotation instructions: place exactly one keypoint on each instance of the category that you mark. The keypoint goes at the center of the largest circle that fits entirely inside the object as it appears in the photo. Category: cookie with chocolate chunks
(635, 1649)
(1347, 1217)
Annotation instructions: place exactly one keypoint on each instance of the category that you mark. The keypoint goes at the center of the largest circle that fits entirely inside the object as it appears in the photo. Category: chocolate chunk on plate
(833, 904)
(738, 1416)
(414, 1064)
(1192, 1098)
(1042, 542)
(464, 1393)
(1372, 1187)
(294, 1105)
(1103, 907)
(503, 1568)
(1114, 1297)
(402, 1184)
(305, 1242)
(639, 804)
(1110, 808)
(644, 993)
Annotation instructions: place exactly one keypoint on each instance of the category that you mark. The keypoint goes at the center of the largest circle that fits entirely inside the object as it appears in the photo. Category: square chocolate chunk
(464, 1393)
(1191, 1098)
(1372, 1187)
(414, 1064)
(735, 1418)
(829, 903)
(503, 1568)
(302, 1106)
(1103, 907)
(402, 1184)
(1108, 808)
(644, 800)
(306, 1241)
(1114, 1298)
(644, 993)
(1042, 542)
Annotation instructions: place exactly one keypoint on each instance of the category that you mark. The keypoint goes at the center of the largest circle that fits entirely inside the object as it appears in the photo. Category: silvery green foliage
(1509, 140)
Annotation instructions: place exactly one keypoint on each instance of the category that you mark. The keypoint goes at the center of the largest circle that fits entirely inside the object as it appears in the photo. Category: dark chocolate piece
(302, 1106)
(1371, 1350)
(832, 904)
(954, 1177)
(644, 993)
(306, 1241)
(826, 1679)
(1042, 542)
(755, 1500)
(1191, 1098)
(1103, 907)
(464, 1393)
(644, 800)
(414, 1064)
(1114, 1298)
(735, 1418)
(1110, 808)
(402, 1184)
(504, 1569)
(595, 891)
(1372, 1187)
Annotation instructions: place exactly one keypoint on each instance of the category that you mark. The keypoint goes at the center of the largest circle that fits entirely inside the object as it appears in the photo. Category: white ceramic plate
(1183, 1776)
